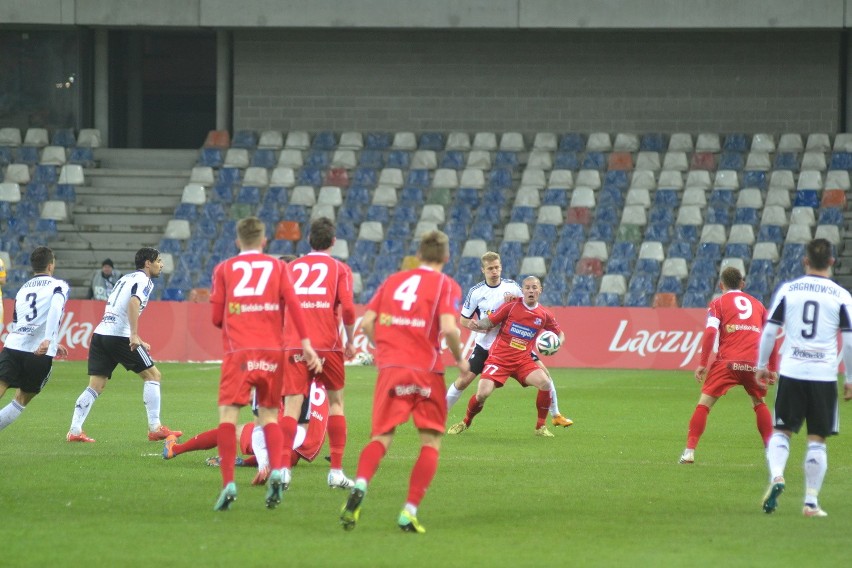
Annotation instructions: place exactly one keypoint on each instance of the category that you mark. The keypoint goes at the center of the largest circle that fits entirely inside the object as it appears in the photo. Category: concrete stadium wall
(756, 81)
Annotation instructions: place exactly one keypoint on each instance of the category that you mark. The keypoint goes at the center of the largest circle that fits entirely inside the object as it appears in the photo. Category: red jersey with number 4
(250, 292)
(408, 307)
(520, 326)
(739, 318)
(324, 288)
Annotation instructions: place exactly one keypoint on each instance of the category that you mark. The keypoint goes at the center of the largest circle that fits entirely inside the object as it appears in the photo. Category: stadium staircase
(125, 205)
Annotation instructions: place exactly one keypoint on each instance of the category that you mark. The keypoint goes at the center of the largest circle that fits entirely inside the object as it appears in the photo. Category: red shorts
(297, 377)
(724, 375)
(258, 368)
(499, 370)
(401, 393)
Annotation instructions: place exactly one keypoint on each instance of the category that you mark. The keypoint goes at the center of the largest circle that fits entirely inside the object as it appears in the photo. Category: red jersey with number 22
(408, 307)
(520, 326)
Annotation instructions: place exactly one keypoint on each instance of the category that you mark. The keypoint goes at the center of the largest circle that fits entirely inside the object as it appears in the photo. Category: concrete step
(95, 239)
(145, 158)
(137, 184)
(127, 219)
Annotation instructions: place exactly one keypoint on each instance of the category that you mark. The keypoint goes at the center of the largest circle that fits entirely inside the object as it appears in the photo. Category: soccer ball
(547, 343)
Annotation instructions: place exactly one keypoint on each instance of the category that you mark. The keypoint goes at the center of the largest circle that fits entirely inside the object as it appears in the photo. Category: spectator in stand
(103, 281)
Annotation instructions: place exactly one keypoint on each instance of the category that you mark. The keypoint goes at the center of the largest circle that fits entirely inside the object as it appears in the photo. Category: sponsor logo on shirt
(516, 343)
(743, 367)
(805, 354)
(261, 365)
(732, 327)
(236, 308)
(299, 357)
(109, 318)
(408, 390)
(28, 330)
(522, 331)
(390, 319)
(315, 305)
(538, 321)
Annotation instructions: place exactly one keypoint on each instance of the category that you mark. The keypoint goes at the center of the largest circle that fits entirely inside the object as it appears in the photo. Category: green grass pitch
(606, 492)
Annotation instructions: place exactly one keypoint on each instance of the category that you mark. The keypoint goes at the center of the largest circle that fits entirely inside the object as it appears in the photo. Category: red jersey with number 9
(253, 288)
(739, 319)
(324, 287)
(408, 307)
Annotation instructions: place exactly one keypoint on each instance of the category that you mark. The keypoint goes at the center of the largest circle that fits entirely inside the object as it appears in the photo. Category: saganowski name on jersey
(820, 288)
(522, 331)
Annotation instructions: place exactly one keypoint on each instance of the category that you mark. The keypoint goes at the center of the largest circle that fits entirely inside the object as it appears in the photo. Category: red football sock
(371, 455)
(474, 407)
(288, 431)
(274, 445)
(542, 405)
(227, 442)
(204, 441)
(696, 426)
(422, 474)
(249, 461)
(336, 439)
(764, 422)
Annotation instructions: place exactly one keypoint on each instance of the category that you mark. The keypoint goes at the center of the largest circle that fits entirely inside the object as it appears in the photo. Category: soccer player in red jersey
(250, 292)
(323, 286)
(406, 319)
(521, 320)
(735, 319)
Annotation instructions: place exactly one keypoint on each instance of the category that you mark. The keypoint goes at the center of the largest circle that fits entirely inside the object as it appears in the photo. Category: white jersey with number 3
(32, 304)
(115, 320)
(812, 310)
(482, 300)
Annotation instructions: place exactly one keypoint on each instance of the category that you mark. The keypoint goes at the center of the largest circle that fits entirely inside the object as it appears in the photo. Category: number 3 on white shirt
(407, 292)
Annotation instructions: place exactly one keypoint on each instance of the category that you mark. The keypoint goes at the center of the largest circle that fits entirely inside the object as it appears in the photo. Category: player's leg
(422, 475)
(476, 361)
(13, 410)
(789, 416)
(296, 384)
(226, 443)
(763, 418)
(535, 376)
(203, 441)
(822, 422)
(337, 440)
(697, 425)
(151, 379)
(475, 405)
(368, 463)
(83, 405)
(557, 418)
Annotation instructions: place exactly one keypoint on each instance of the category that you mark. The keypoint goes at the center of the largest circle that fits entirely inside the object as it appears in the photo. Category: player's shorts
(477, 358)
(26, 371)
(106, 352)
(724, 375)
(814, 402)
(297, 377)
(402, 393)
(258, 368)
(499, 371)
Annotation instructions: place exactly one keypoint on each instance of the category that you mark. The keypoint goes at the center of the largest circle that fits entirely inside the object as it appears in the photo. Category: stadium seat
(829, 232)
(834, 198)
(634, 215)
(703, 161)
(566, 161)
(798, 234)
(802, 216)
(737, 263)
(837, 179)
(670, 179)
(599, 142)
(675, 161)
(713, 233)
(664, 300)
(217, 139)
(694, 300)
(648, 161)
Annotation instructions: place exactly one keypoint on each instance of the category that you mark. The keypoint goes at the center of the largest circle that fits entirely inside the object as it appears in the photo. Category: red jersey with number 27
(324, 287)
(520, 326)
(251, 290)
(408, 307)
(739, 318)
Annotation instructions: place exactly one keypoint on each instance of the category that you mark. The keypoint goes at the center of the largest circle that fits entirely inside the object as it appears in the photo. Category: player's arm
(217, 298)
(134, 310)
(347, 309)
(846, 338)
(767, 344)
(491, 320)
(368, 325)
(51, 327)
(449, 329)
(707, 343)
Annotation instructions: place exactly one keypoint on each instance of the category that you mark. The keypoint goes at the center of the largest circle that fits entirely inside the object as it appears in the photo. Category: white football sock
(453, 395)
(554, 404)
(412, 509)
(258, 445)
(10, 413)
(81, 409)
(816, 464)
(151, 398)
(777, 452)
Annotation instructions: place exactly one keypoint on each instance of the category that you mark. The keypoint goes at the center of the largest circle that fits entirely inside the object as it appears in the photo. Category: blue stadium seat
(270, 217)
(468, 196)
(45, 174)
(841, 161)
(377, 140)
(770, 233)
(494, 199)
(762, 267)
(173, 295)
(82, 156)
(6, 158)
(806, 198)
(229, 230)
(210, 157)
(411, 196)
(667, 198)
(710, 251)
(523, 215)
(469, 264)
(398, 159)
(230, 176)
(738, 250)
(264, 158)
(367, 177)
(245, 139)
(670, 285)
(736, 142)
(460, 212)
(275, 196)
(572, 142)
(636, 299)
(545, 232)
(623, 249)
(453, 159)
(754, 178)
(606, 215)
(700, 283)
(456, 230)
(540, 248)
(309, 176)
(373, 159)
(555, 197)
(64, 137)
(572, 232)
(186, 211)
(658, 231)
(418, 178)
(617, 178)
(378, 213)
(346, 230)
(392, 247)
(171, 246)
(786, 161)
(757, 284)
(36, 192)
(66, 192)
(648, 266)
(694, 300)
(831, 216)
(46, 228)
(324, 140)
(248, 194)
(431, 141)
(731, 161)
(661, 214)
(358, 195)
(602, 231)
(567, 252)
(27, 155)
(551, 297)
(295, 213)
(511, 254)
(579, 298)
(214, 210)
(405, 213)
(594, 161)
(653, 142)
(718, 215)
(721, 198)
(350, 213)
(500, 178)
(703, 269)
(619, 265)
(196, 247)
(641, 282)
(746, 216)
(506, 159)
(222, 193)
(610, 197)
(566, 161)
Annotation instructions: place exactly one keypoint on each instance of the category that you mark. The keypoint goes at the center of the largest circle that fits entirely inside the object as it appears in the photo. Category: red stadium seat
(199, 295)
(834, 198)
(288, 231)
(703, 161)
(218, 139)
(665, 300)
(338, 177)
(620, 161)
(578, 216)
(589, 266)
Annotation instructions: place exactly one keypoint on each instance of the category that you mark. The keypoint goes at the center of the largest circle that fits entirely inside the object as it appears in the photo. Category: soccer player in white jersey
(116, 340)
(812, 310)
(483, 299)
(33, 339)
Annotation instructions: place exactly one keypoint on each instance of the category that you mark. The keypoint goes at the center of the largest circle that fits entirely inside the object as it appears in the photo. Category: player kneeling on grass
(251, 442)
(405, 320)
(510, 354)
(31, 345)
